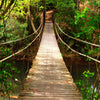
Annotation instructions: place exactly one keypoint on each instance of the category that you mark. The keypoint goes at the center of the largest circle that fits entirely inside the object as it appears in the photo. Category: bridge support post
(44, 12)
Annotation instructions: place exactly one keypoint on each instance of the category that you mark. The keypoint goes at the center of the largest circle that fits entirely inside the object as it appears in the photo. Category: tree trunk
(33, 26)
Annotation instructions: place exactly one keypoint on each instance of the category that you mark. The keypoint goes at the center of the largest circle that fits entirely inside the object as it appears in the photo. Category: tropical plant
(85, 87)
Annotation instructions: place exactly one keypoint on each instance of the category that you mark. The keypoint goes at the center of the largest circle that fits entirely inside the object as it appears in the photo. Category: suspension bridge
(49, 78)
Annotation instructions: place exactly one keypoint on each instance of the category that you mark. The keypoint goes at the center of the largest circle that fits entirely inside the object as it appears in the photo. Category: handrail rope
(75, 50)
(93, 44)
(21, 38)
(22, 49)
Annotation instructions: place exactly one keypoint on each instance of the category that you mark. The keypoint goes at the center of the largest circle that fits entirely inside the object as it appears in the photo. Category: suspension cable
(2, 60)
(21, 38)
(96, 45)
(75, 50)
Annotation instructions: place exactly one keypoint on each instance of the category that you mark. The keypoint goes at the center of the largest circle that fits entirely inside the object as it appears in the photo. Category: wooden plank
(49, 79)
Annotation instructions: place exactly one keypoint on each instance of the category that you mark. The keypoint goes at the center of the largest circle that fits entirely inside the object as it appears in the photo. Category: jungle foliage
(81, 19)
(78, 18)
(16, 17)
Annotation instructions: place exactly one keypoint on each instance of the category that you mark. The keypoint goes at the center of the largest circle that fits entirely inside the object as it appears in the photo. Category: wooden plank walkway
(49, 79)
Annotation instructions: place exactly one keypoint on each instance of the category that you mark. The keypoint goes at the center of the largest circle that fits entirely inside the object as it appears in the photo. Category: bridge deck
(49, 79)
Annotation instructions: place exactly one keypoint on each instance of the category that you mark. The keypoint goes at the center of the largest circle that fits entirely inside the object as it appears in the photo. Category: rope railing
(96, 45)
(4, 43)
(75, 50)
(2, 60)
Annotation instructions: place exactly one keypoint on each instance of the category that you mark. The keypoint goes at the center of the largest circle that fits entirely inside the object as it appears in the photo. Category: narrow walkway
(49, 79)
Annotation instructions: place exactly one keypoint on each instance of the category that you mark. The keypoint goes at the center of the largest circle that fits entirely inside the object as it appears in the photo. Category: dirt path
(48, 16)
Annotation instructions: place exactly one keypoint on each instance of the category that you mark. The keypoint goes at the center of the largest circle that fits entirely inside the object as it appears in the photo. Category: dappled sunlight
(49, 78)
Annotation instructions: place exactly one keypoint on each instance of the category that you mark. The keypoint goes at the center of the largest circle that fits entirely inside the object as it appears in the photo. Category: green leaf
(1, 26)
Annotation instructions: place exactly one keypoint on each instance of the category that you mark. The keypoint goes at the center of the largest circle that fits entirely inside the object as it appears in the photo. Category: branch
(2, 2)
(10, 11)
(33, 26)
(9, 5)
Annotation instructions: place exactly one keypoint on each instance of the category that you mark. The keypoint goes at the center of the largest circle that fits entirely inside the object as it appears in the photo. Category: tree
(2, 6)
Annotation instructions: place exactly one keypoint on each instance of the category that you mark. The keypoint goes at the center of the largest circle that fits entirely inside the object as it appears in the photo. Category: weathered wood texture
(49, 79)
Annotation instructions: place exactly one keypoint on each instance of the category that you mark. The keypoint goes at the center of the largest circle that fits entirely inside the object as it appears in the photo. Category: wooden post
(44, 11)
